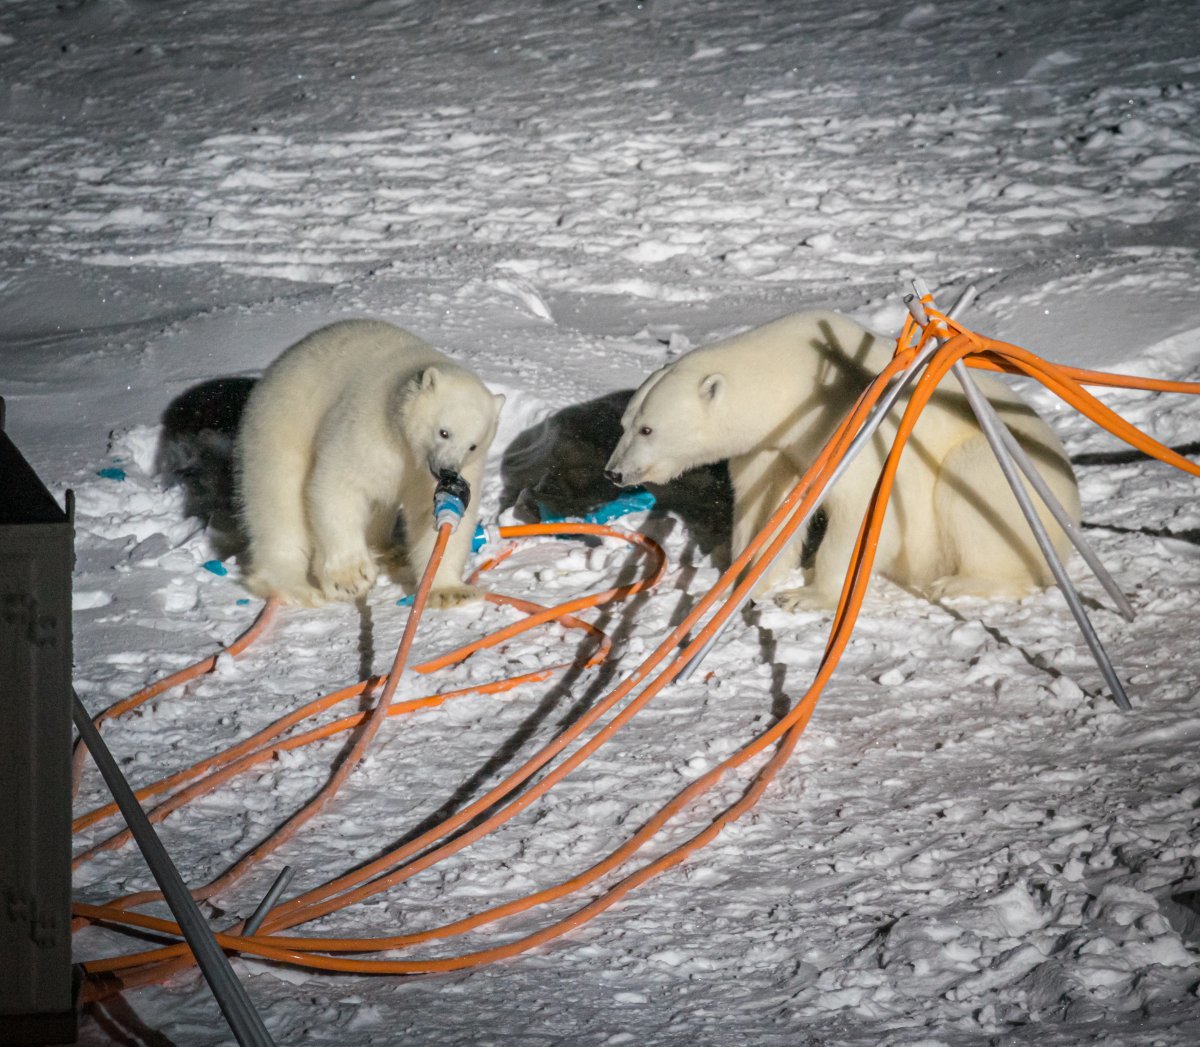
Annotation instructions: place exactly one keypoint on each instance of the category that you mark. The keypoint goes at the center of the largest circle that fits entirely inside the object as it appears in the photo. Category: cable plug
(450, 499)
(485, 535)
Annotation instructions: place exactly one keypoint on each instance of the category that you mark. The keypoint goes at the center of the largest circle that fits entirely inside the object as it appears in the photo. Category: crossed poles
(1013, 462)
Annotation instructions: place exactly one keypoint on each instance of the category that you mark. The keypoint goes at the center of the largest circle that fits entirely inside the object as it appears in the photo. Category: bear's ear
(498, 398)
(428, 379)
(711, 386)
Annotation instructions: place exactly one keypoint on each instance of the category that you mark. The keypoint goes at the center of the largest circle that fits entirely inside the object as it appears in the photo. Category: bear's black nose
(612, 476)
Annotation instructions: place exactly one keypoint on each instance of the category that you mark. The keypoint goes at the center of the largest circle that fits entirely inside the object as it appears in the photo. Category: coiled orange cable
(403, 862)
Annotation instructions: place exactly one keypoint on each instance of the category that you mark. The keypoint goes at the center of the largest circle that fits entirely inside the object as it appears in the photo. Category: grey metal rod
(895, 390)
(991, 424)
(269, 900)
(1038, 483)
(244, 1021)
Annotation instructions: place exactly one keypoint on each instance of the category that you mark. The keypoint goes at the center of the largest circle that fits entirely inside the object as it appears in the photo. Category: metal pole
(244, 1021)
(269, 900)
(895, 390)
(991, 424)
(1038, 483)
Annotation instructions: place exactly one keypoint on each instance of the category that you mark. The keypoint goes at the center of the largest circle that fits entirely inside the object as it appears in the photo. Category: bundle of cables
(930, 346)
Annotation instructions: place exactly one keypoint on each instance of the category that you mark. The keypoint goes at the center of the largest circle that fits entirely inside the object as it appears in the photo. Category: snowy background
(971, 845)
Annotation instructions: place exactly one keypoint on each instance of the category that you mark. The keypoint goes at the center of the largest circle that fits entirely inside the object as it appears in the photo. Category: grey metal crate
(37, 997)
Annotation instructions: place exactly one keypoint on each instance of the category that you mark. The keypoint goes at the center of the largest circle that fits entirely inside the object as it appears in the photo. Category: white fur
(345, 429)
(768, 399)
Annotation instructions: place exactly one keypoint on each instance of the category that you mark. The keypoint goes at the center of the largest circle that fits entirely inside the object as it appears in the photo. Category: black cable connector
(452, 484)
(451, 497)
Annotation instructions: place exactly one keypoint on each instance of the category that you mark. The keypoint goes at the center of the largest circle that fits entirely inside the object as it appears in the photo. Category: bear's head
(674, 422)
(447, 417)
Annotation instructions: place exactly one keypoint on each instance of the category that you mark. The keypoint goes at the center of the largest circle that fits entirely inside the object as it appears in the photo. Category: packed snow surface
(971, 845)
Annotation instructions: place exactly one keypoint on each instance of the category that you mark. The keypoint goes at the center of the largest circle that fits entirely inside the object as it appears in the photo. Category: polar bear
(349, 426)
(768, 399)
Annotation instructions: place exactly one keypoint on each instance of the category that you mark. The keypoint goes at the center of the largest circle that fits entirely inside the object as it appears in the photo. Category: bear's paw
(959, 586)
(806, 598)
(454, 596)
(345, 579)
(291, 592)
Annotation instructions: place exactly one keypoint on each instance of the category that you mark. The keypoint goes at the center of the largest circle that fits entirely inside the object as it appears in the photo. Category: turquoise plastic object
(215, 567)
(635, 500)
(479, 539)
(111, 472)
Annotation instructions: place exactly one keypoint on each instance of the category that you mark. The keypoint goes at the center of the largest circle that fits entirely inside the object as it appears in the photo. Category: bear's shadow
(195, 452)
(556, 468)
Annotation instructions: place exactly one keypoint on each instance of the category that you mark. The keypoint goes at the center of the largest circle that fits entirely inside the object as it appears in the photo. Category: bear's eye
(472, 447)
(645, 430)
(444, 434)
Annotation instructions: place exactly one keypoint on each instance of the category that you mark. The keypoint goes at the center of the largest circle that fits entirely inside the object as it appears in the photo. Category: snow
(970, 845)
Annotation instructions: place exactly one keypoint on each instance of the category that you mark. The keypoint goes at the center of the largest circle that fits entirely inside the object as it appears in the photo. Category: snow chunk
(1014, 913)
(1051, 63)
(90, 599)
(923, 16)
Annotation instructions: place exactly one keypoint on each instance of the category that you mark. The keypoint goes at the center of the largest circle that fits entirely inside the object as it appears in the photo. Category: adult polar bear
(768, 400)
(348, 426)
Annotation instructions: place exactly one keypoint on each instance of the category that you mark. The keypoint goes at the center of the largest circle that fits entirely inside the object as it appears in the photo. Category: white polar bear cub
(768, 400)
(348, 426)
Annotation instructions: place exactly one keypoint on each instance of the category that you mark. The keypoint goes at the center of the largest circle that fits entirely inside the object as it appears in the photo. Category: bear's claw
(956, 586)
(453, 596)
(287, 590)
(807, 598)
(346, 580)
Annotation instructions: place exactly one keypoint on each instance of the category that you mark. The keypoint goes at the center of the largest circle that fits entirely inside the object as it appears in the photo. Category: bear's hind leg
(273, 516)
(385, 540)
(987, 538)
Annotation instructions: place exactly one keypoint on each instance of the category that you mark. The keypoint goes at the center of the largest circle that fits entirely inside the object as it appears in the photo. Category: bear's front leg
(845, 505)
(449, 589)
(824, 582)
(339, 513)
(761, 480)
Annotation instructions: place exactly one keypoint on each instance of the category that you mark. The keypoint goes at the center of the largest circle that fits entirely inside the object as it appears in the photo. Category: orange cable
(963, 345)
(796, 719)
(863, 407)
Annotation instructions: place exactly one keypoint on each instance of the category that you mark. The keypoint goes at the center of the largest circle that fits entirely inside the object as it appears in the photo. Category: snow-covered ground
(971, 844)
